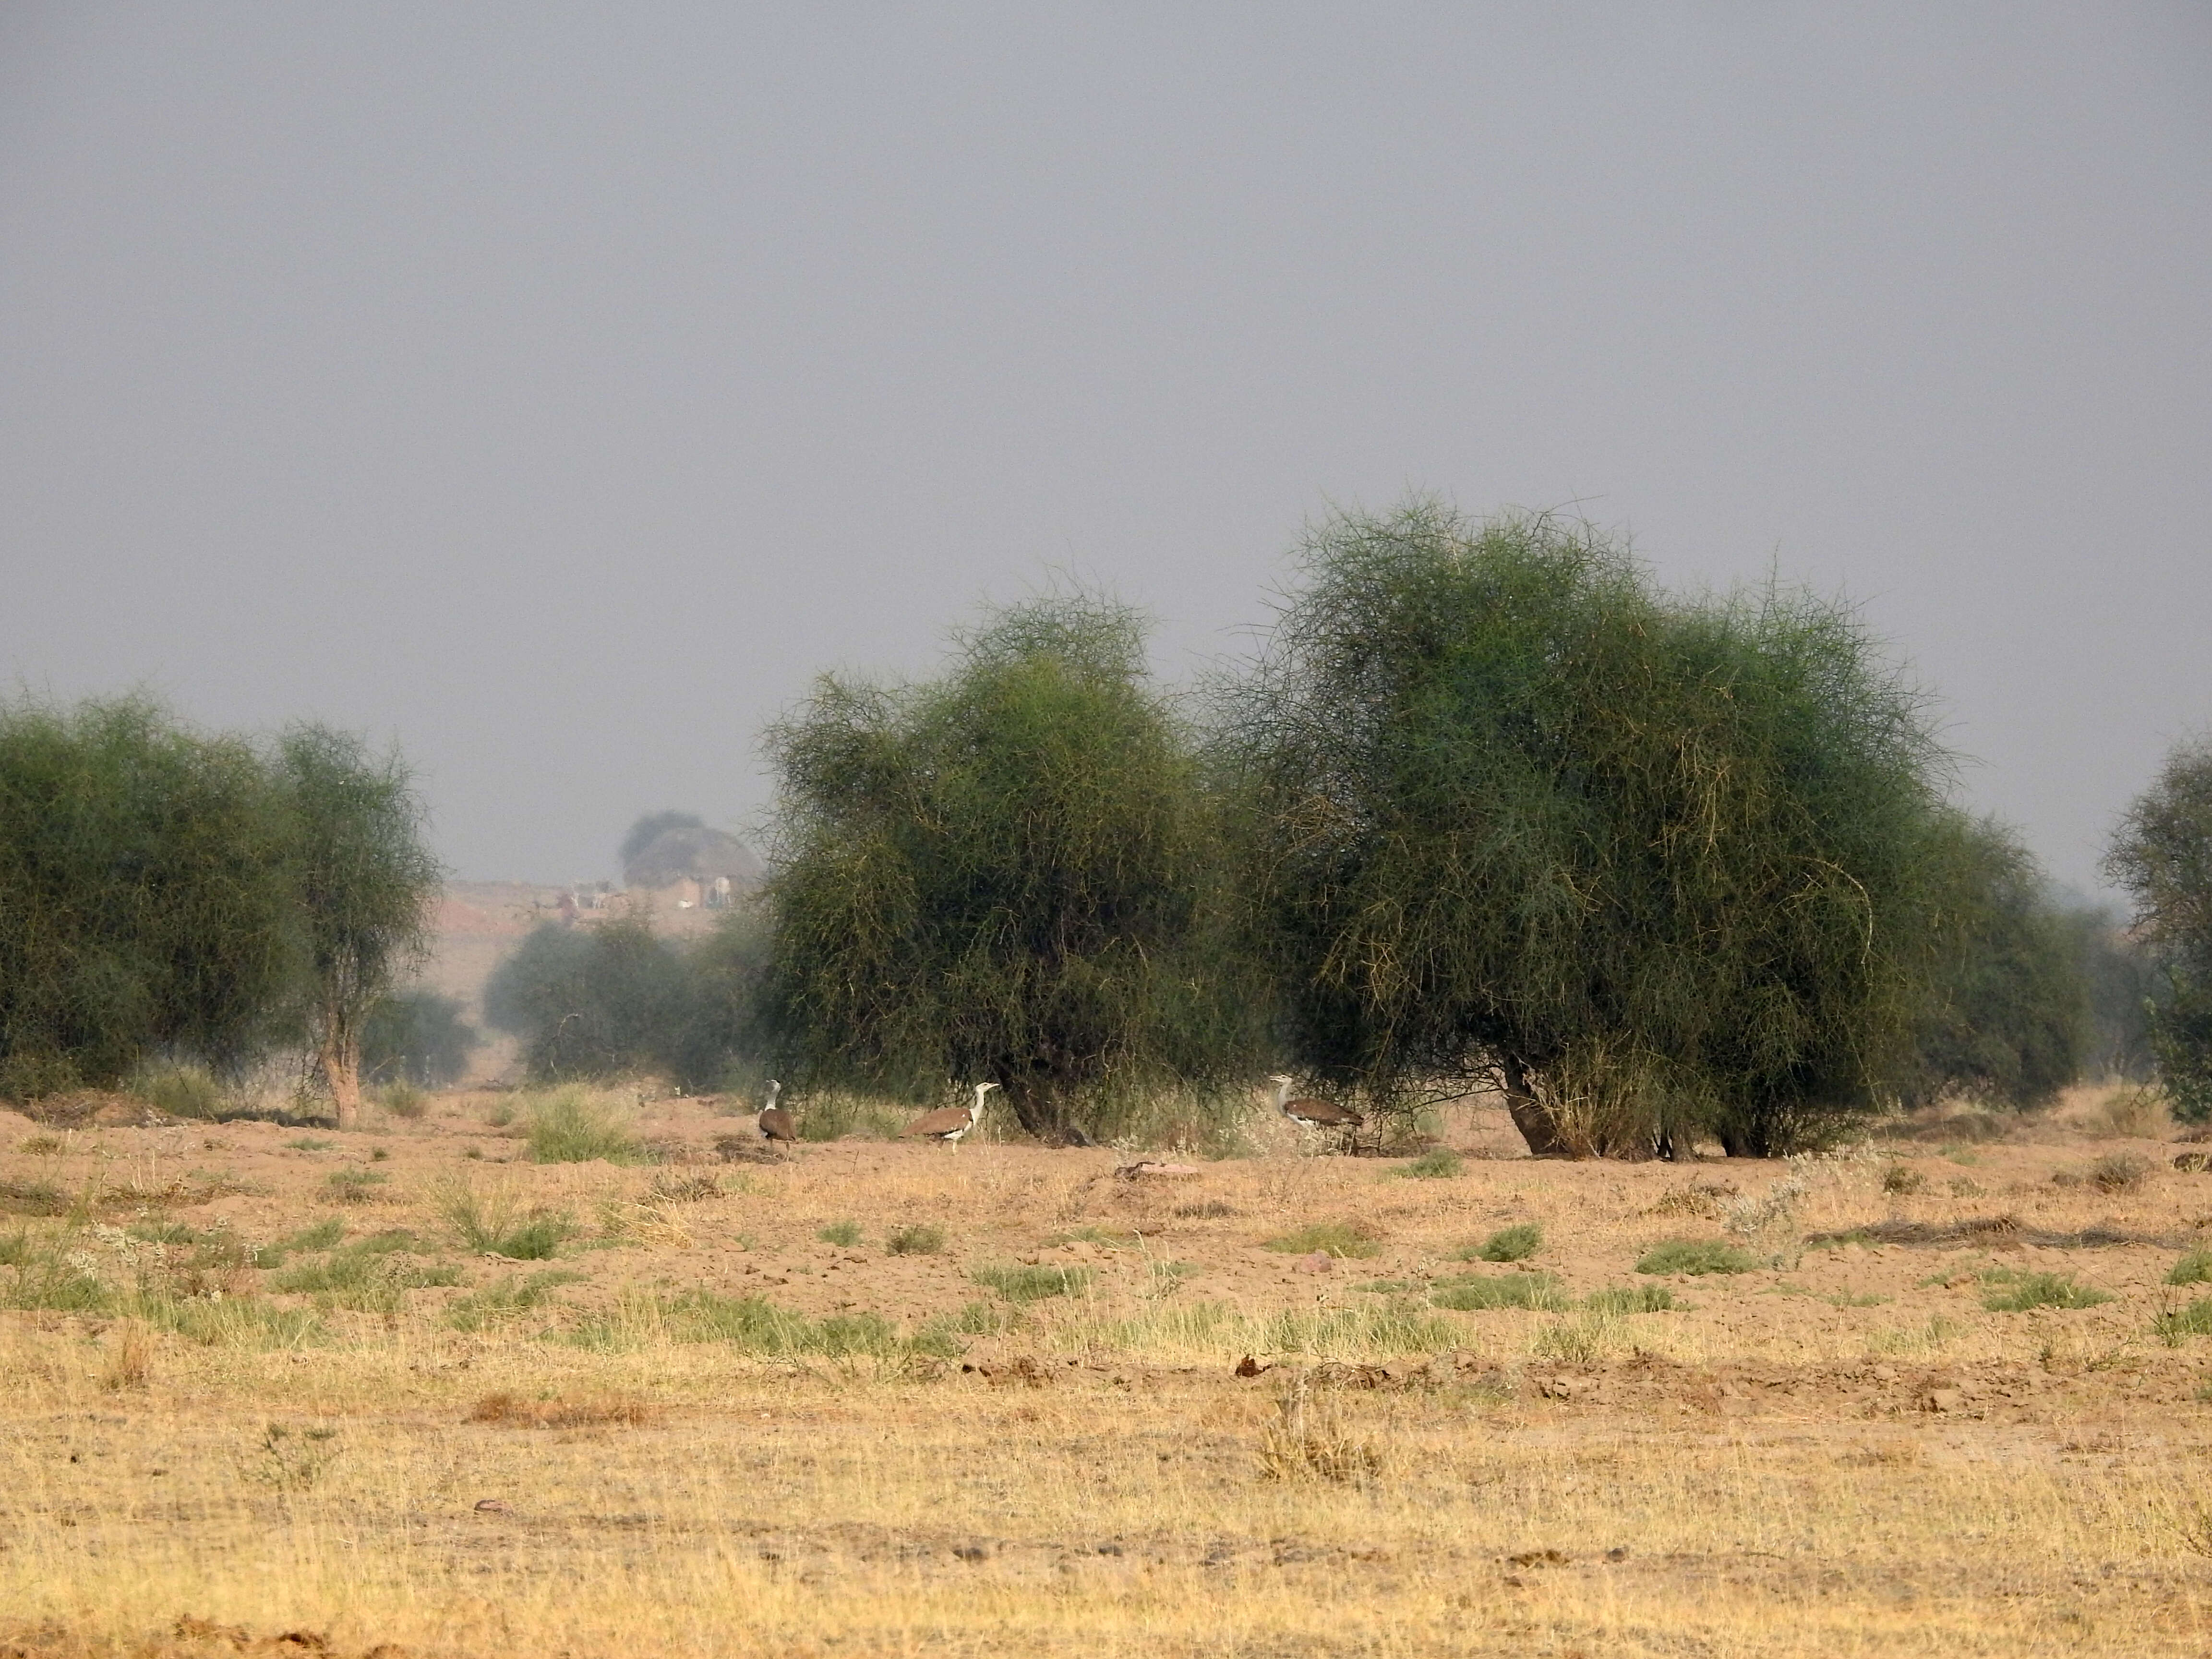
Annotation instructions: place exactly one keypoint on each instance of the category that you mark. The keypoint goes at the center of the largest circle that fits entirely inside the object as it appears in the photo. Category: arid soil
(264, 1393)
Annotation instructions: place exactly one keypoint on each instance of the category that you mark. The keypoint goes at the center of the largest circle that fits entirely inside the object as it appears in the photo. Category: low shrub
(2118, 1172)
(509, 1299)
(179, 1091)
(1480, 1292)
(919, 1238)
(2178, 1323)
(355, 1185)
(403, 1100)
(507, 1410)
(1337, 1238)
(488, 1225)
(1902, 1180)
(1696, 1256)
(1025, 1283)
(835, 1116)
(844, 1233)
(1507, 1244)
(1630, 1299)
(570, 1126)
(41, 1198)
(2195, 1268)
(1434, 1166)
(2009, 1293)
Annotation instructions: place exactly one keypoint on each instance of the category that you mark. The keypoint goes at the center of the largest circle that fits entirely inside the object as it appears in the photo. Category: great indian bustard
(948, 1125)
(1313, 1113)
(774, 1122)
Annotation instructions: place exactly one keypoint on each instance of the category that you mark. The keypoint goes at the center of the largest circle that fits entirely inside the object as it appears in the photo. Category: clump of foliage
(1012, 874)
(2010, 1292)
(179, 1090)
(1028, 1284)
(2161, 855)
(614, 998)
(1477, 1292)
(2117, 1172)
(363, 880)
(1434, 1166)
(1902, 1180)
(2175, 1324)
(1649, 865)
(2004, 1016)
(1337, 1238)
(844, 1234)
(1696, 1256)
(2194, 1268)
(1630, 1299)
(146, 906)
(916, 1238)
(570, 1126)
(416, 1038)
(489, 1223)
(508, 1300)
(1514, 1243)
(355, 1185)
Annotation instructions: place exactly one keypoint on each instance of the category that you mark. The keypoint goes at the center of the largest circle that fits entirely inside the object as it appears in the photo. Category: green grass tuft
(2195, 1268)
(1337, 1238)
(1696, 1256)
(846, 1233)
(918, 1239)
(1480, 1292)
(509, 1299)
(1630, 1299)
(2011, 1293)
(2176, 1323)
(1022, 1284)
(569, 1127)
(1438, 1165)
(1507, 1244)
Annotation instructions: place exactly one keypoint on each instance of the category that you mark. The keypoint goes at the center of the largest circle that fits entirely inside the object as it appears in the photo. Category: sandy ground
(1843, 1450)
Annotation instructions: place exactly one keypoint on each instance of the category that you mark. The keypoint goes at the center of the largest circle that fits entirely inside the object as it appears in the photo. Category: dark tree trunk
(1534, 1122)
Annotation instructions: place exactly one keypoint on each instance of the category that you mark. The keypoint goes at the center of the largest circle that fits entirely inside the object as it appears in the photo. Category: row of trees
(1488, 810)
(167, 895)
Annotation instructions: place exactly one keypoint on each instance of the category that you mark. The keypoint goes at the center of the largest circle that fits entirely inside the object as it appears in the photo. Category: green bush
(2176, 1323)
(403, 1100)
(488, 1225)
(2195, 1268)
(355, 1185)
(1507, 1244)
(179, 1090)
(1337, 1238)
(1479, 1292)
(1434, 1166)
(1024, 1284)
(844, 1233)
(1696, 1256)
(2018, 1292)
(1630, 1299)
(919, 1238)
(569, 1127)
(509, 1299)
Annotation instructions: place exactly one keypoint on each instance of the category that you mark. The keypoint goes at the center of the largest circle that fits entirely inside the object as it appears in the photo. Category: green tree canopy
(613, 999)
(2161, 854)
(1012, 874)
(145, 903)
(1650, 864)
(2005, 1018)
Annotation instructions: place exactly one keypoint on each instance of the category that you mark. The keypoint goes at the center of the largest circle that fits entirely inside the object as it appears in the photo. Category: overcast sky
(557, 390)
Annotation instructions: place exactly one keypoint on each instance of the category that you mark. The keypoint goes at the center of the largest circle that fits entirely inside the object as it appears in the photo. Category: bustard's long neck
(1282, 1092)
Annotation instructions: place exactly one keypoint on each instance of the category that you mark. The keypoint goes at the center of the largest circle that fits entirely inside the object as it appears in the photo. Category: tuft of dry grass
(504, 1408)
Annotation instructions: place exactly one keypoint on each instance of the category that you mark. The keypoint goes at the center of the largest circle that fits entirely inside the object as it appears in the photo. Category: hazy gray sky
(556, 390)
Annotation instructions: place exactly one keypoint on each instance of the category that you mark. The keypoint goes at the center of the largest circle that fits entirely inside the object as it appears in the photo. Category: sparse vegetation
(915, 1238)
(355, 1185)
(573, 1126)
(2015, 1292)
(1434, 1166)
(1030, 1284)
(489, 1223)
(2194, 1268)
(1514, 1243)
(1696, 1256)
(2117, 1172)
(844, 1233)
(1630, 1299)
(1338, 1238)
(1473, 1293)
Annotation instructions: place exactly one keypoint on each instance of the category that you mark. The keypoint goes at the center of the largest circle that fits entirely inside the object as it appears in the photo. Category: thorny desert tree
(1650, 865)
(1011, 874)
(2162, 855)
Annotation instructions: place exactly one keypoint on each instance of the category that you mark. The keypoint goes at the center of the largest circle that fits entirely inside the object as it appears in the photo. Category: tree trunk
(1042, 1112)
(341, 1071)
(1529, 1117)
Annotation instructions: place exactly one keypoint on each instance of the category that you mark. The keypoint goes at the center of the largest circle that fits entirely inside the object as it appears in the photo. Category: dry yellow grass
(1841, 1452)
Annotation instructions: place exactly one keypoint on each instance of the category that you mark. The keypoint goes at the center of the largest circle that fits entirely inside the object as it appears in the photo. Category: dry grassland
(699, 1427)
